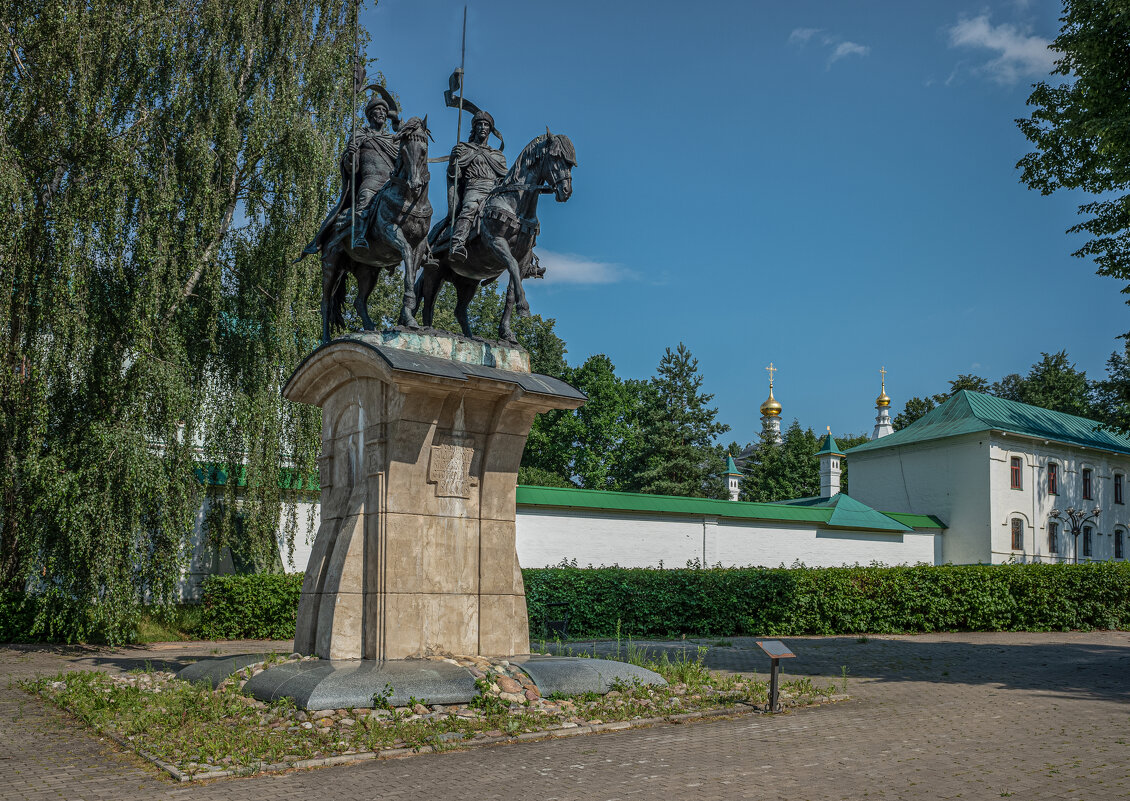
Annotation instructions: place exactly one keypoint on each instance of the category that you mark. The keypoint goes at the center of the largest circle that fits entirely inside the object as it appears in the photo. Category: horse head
(412, 162)
(560, 157)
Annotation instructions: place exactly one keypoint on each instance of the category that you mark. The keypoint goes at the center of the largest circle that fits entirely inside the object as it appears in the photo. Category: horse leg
(464, 292)
(332, 276)
(394, 235)
(366, 280)
(501, 248)
(504, 332)
(428, 283)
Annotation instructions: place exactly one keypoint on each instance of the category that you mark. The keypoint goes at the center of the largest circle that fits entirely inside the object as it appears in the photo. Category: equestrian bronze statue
(388, 224)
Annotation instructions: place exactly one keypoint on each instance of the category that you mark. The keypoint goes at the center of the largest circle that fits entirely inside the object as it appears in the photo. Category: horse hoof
(407, 321)
(523, 310)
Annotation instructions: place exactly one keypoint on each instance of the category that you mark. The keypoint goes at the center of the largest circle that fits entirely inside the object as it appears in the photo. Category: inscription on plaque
(450, 469)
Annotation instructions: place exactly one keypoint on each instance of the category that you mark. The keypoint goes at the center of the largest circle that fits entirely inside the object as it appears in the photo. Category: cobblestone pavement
(971, 716)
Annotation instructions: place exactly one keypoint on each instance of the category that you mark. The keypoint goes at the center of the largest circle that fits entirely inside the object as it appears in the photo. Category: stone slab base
(217, 669)
(326, 684)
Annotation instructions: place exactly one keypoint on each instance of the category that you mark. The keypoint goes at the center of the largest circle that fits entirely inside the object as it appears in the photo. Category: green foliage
(789, 602)
(781, 472)
(1051, 383)
(1079, 128)
(485, 701)
(678, 455)
(596, 446)
(161, 164)
(255, 607)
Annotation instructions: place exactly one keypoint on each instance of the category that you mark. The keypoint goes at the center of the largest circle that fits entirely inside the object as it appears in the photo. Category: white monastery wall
(546, 536)
(633, 539)
(948, 478)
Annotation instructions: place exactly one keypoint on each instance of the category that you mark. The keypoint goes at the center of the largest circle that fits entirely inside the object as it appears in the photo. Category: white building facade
(996, 471)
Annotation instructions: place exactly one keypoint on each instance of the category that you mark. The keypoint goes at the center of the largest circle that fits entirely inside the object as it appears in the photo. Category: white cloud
(1019, 54)
(840, 47)
(844, 49)
(802, 35)
(569, 268)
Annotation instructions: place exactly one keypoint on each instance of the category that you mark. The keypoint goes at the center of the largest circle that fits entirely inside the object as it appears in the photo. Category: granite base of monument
(422, 435)
(356, 683)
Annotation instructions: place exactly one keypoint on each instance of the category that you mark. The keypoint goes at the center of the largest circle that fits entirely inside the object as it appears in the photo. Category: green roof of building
(829, 446)
(731, 466)
(969, 412)
(828, 514)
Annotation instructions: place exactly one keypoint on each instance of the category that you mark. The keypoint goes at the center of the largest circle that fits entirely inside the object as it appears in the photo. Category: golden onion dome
(771, 408)
(883, 400)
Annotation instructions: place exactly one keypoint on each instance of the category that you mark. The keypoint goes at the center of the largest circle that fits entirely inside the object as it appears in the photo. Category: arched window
(1086, 540)
(1118, 488)
(1053, 537)
(1118, 535)
(1017, 534)
(1015, 473)
(1087, 483)
(1053, 478)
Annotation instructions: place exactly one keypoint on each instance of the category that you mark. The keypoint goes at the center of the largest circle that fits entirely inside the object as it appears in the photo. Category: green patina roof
(847, 512)
(829, 446)
(969, 412)
(805, 510)
(731, 467)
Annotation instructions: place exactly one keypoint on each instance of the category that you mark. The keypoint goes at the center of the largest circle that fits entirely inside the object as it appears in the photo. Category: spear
(358, 80)
(458, 128)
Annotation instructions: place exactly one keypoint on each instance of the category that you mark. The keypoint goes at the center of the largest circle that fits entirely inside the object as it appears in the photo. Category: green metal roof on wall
(969, 412)
(792, 512)
(847, 512)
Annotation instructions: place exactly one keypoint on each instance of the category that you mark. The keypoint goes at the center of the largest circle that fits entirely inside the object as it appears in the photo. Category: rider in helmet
(376, 159)
(473, 170)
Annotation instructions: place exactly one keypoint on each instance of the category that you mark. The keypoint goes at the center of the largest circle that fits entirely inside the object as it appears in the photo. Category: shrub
(258, 607)
(649, 602)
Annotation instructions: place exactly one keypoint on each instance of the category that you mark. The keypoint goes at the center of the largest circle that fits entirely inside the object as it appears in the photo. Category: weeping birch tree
(161, 165)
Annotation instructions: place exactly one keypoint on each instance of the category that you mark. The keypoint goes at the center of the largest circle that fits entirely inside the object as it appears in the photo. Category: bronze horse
(397, 231)
(504, 236)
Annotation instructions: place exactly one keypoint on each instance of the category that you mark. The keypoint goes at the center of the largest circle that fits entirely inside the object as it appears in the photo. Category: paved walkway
(971, 716)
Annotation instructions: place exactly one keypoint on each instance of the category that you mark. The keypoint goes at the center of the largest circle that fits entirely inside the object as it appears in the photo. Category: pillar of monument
(422, 436)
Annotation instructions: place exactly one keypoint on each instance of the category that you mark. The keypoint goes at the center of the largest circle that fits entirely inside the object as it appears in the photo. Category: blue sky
(829, 186)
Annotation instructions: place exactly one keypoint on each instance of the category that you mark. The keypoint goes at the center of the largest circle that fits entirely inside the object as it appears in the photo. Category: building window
(1087, 483)
(1086, 540)
(1118, 488)
(1053, 537)
(1015, 473)
(1053, 479)
(1017, 534)
(1118, 544)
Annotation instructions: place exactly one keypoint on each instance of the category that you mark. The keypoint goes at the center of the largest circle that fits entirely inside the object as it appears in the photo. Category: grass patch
(200, 730)
(178, 623)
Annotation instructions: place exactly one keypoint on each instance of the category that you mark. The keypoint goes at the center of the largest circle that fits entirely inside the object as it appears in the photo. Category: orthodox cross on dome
(883, 373)
(771, 369)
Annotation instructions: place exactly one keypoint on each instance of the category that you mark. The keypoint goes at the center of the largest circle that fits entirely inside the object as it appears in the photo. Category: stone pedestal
(422, 436)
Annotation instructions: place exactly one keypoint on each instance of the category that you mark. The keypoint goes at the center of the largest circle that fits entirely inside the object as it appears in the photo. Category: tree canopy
(161, 165)
(1051, 383)
(1081, 128)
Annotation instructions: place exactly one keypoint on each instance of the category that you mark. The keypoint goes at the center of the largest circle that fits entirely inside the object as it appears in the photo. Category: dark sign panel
(775, 648)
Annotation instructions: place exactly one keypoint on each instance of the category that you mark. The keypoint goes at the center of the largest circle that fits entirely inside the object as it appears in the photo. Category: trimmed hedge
(647, 602)
(263, 606)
